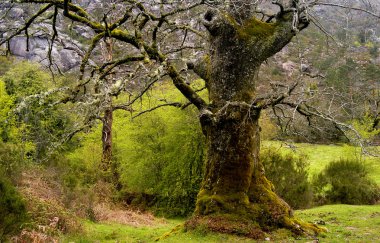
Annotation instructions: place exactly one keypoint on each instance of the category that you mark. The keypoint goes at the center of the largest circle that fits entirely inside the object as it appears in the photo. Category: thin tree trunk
(108, 115)
(107, 139)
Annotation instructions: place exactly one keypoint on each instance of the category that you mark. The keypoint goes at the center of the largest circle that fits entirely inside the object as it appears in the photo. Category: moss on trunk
(235, 195)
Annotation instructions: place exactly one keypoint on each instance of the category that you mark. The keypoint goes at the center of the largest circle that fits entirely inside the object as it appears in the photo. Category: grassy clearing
(320, 155)
(113, 232)
(345, 223)
(104, 232)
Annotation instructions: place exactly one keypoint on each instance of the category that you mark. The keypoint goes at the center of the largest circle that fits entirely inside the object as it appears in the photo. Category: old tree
(225, 43)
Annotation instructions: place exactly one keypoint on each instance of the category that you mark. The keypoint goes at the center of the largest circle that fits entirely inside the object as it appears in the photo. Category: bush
(162, 159)
(31, 122)
(12, 209)
(345, 181)
(289, 175)
(160, 156)
(11, 160)
(269, 130)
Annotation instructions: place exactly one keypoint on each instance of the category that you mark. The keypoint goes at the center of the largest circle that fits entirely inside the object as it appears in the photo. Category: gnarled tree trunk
(235, 196)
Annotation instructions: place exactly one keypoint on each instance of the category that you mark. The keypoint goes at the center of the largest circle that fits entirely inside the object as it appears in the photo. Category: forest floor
(344, 223)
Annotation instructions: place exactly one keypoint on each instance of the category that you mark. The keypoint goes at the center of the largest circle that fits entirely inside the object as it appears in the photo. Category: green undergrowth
(344, 223)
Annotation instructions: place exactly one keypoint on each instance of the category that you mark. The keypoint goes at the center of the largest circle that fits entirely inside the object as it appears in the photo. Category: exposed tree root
(252, 215)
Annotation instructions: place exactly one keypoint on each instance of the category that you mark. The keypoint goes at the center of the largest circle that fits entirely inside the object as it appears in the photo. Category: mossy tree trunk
(107, 119)
(108, 113)
(235, 195)
(107, 139)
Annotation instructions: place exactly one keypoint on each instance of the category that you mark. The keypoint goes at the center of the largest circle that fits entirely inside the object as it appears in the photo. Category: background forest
(58, 183)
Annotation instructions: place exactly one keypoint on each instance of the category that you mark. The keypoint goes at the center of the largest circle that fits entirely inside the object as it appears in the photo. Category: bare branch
(174, 104)
(272, 99)
(346, 7)
(114, 64)
(185, 89)
(27, 24)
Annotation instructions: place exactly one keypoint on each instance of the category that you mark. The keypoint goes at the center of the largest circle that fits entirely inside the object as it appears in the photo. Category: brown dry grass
(48, 216)
(116, 214)
(41, 186)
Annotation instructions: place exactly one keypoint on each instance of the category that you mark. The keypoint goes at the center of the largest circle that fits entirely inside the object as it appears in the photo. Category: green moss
(208, 203)
(207, 63)
(255, 28)
(225, 223)
(237, 214)
(172, 232)
(118, 32)
(261, 205)
(252, 28)
(299, 227)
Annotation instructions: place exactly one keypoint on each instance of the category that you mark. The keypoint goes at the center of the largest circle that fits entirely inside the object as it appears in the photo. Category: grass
(320, 155)
(345, 223)
(113, 232)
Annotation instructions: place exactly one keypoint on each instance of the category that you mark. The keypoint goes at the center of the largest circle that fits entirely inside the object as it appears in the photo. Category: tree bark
(108, 114)
(235, 195)
(107, 139)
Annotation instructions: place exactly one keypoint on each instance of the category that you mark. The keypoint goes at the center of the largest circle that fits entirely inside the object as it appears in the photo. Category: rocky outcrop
(64, 57)
(37, 50)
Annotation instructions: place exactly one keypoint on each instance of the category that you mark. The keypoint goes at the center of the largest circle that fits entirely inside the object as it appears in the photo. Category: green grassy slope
(320, 155)
(112, 232)
(345, 223)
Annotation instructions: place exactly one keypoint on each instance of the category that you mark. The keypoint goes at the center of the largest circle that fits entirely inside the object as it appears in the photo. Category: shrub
(345, 181)
(12, 209)
(289, 175)
(161, 160)
(269, 130)
(25, 117)
(160, 156)
(6, 64)
(11, 162)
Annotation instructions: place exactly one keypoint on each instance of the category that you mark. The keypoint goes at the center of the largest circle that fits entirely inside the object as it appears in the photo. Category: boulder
(289, 67)
(38, 50)
(16, 13)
